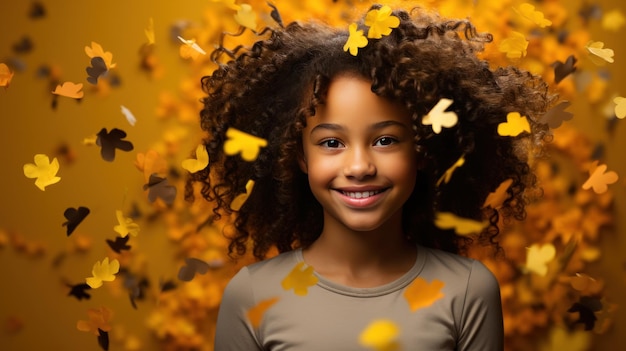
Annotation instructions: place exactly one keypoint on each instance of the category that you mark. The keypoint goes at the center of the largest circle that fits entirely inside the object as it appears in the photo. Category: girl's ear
(302, 163)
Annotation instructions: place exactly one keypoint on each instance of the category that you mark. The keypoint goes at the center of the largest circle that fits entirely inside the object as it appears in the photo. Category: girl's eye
(331, 143)
(384, 141)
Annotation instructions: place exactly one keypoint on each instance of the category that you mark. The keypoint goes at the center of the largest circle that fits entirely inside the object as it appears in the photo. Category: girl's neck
(361, 259)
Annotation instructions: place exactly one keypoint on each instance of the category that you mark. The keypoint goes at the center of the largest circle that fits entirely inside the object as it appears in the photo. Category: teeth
(360, 194)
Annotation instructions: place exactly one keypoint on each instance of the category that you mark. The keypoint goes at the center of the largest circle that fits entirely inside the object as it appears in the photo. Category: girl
(357, 166)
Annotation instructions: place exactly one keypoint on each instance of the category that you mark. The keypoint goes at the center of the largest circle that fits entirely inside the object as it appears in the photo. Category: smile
(361, 194)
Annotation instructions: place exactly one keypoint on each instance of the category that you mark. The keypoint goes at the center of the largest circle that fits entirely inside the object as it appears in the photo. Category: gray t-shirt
(445, 302)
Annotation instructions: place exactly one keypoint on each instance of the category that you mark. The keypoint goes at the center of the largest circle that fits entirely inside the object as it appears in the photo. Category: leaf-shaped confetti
(159, 187)
(496, 198)
(538, 256)
(199, 163)
(70, 90)
(585, 284)
(149, 31)
(586, 308)
(99, 318)
(246, 16)
(243, 143)
(380, 335)
(95, 50)
(514, 46)
(356, 40)
(255, 314)
(300, 279)
(125, 225)
(598, 50)
(613, 20)
(445, 178)
(461, 226)
(79, 291)
(557, 115)
(420, 293)
(599, 179)
(44, 170)
(191, 267)
(74, 217)
(119, 244)
(240, 199)
(6, 75)
(537, 17)
(151, 163)
(192, 46)
(109, 141)
(564, 69)
(275, 14)
(620, 107)
(438, 117)
(129, 115)
(104, 271)
(381, 22)
(515, 125)
(98, 68)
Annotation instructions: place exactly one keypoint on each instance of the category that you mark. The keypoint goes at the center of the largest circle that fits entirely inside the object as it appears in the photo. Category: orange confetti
(420, 293)
(70, 90)
(255, 314)
(496, 198)
(599, 179)
(6, 75)
(515, 125)
(300, 279)
(96, 50)
(98, 319)
(445, 178)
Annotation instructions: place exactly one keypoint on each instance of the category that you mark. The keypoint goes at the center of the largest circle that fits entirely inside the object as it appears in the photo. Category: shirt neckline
(385, 289)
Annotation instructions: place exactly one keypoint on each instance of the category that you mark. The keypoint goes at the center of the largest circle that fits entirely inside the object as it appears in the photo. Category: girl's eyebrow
(375, 126)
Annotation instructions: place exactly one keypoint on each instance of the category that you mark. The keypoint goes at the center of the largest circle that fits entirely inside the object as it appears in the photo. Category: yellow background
(31, 289)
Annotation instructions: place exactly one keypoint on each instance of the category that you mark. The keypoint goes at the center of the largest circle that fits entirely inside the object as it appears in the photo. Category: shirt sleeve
(233, 332)
(481, 323)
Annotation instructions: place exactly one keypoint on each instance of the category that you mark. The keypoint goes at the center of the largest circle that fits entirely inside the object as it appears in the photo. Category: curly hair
(269, 89)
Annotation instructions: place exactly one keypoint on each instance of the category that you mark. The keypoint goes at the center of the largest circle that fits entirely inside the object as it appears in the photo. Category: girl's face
(359, 157)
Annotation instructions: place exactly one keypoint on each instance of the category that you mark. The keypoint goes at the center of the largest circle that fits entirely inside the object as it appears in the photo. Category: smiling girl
(348, 187)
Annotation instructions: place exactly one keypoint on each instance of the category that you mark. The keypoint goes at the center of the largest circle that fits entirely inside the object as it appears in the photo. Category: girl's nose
(359, 164)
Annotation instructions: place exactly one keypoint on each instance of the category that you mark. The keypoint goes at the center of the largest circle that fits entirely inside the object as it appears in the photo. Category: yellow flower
(355, 41)
(381, 22)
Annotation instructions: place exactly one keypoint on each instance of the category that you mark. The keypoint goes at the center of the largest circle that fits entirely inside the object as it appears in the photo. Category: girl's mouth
(361, 194)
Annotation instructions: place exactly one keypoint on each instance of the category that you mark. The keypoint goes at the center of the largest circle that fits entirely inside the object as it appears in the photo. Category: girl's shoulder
(451, 267)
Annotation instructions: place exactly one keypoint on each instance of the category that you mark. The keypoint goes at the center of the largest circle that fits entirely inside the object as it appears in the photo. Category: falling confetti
(421, 294)
(515, 125)
(461, 226)
(44, 170)
(240, 199)
(243, 143)
(438, 117)
(255, 314)
(380, 335)
(199, 163)
(104, 271)
(300, 279)
(381, 22)
(356, 40)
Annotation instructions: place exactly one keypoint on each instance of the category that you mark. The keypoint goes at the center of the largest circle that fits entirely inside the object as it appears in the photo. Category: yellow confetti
(240, 199)
(613, 20)
(598, 50)
(537, 17)
(246, 17)
(538, 256)
(150, 32)
(461, 226)
(620, 107)
(95, 50)
(515, 125)
(599, 179)
(496, 198)
(380, 335)
(6, 75)
(255, 314)
(199, 163)
(514, 46)
(190, 49)
(445, 178)
(44, 170)
(420, 293)
(104, 271)
(125, 225)
(243, 143)
(300, 279)
(380, 22)
(70, 90)
(438, 117)
(356, 40)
